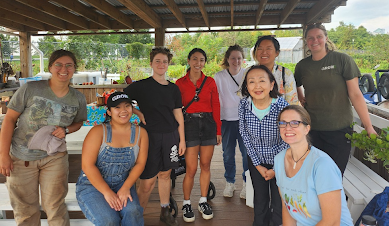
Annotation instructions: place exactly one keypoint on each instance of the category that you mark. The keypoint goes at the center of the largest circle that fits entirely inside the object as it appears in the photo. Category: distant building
(292, 49)
(379, 31)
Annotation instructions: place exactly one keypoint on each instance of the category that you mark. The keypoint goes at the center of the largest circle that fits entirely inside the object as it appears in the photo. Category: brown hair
(304, 116)
(330, 46)
(164, 51)
(61, 53)
(225, 63)
(273, 93)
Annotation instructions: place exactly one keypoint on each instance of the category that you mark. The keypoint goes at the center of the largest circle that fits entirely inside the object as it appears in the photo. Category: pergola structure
(28, 17)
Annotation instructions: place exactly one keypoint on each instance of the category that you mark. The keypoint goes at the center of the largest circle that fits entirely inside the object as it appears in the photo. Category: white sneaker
(243, 192)
(229, 190)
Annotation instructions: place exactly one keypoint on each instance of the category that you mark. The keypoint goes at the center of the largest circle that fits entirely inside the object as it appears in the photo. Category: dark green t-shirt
(324, 81)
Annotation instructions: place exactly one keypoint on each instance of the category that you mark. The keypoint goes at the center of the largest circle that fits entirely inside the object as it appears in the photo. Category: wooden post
(159, 37)
(305, 47)
(25, 54)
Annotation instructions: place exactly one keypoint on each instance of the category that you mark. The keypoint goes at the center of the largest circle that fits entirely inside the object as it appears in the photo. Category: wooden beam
(232, 14)
(55, 11)
(261, 8)
(5, 14)
(140, 8)
(86, 12)
(25, 54)
(29, 12)
(319, 9)
(111, 11)
(176, 11)
(12, 24)
(159, 37)
(204, 13)
(288, 10)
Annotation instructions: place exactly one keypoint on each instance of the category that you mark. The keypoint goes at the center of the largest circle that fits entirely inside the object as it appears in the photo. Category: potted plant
(375, 146)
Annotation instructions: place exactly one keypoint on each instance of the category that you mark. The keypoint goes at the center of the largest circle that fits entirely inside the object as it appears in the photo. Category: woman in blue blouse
(258, 113)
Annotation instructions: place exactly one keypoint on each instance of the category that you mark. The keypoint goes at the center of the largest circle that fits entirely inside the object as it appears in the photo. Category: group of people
(295, 155)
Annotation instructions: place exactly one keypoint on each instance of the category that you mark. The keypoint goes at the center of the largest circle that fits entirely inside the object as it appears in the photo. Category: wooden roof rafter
(261, 8)
(140, 8)
(288, 10)
(176, 12)
(232, 14)
(319, 10)
(81, 9)
(204, 13)
(111, 11)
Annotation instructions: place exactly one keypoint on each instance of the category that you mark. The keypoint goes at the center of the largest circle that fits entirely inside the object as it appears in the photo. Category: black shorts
(163, 153)
(200, 129)
(335, 144)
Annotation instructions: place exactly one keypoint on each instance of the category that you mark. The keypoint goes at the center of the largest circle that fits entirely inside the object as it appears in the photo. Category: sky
(371, 14)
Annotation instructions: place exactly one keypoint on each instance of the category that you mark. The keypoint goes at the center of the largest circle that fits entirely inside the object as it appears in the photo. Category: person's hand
(219, 139)
(6, 165)
(113, 200)
(181, 148)
(269, 174)
(124, 194)
(302, 101)
(59, 132)
(371, 130)
(262, 170)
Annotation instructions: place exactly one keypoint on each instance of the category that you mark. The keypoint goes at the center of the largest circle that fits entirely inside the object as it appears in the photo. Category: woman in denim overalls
(106, 186)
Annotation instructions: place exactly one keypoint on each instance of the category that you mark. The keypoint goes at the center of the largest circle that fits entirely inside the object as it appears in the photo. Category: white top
(289, 92)
(228, 96)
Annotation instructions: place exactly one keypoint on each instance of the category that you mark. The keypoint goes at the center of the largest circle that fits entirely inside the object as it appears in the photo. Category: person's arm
(359, 104)
(215, 105)
(90, 151)
(7, 130)
(287, 220)
(124, 192)
(140, 115)
(300, 94)
(181, 130)
(331, 208)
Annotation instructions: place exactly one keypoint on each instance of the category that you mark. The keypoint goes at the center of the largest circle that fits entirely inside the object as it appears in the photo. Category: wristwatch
(66, 130)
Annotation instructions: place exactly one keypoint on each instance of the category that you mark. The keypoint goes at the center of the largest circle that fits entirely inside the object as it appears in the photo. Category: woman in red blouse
(202, 130)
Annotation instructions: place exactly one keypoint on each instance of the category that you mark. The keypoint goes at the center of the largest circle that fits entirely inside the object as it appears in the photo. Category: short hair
(273, 93)
(262, 38)
(330, 46)
(61, 53)
(162, 50)
(225, 63)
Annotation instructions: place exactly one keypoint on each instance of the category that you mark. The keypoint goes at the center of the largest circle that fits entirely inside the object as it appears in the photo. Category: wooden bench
(70, 200)
(361, 184)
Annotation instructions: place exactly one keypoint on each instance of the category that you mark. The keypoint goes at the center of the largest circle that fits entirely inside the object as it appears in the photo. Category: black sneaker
(187, 213)
(206, 210)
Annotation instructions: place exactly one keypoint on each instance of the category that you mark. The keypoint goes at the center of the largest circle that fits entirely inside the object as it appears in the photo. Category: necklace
(295, 162)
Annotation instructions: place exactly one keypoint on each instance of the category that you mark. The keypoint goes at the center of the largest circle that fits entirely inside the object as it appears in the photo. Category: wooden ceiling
(134, 15)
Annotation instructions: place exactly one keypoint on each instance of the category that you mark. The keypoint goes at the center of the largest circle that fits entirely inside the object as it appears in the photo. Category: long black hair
(196, 50)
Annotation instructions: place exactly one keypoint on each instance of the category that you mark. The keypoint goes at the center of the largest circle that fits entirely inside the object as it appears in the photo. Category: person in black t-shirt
(160, 104)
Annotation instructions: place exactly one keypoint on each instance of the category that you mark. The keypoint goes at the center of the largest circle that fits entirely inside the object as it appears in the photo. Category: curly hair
(162, 50)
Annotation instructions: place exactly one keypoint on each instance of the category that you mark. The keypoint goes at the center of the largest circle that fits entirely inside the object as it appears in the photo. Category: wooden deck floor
(227, 211)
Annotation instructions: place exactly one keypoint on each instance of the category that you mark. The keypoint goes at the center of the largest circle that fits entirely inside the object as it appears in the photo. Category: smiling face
(316, 40)
(266, 53)
(62, 69)
(160, 64)
(235, 60)
(258, 84)
(121, 113)
(196, 62)
(293, 135)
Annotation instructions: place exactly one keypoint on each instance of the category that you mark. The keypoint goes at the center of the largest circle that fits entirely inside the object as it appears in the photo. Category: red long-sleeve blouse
(208, 97)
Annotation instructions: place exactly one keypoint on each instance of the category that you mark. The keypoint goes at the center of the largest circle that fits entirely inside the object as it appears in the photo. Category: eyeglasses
(67, 66)
(293, 123)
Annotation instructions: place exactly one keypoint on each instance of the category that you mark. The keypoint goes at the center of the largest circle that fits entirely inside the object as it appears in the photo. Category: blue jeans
(98, 211)
(230, 133)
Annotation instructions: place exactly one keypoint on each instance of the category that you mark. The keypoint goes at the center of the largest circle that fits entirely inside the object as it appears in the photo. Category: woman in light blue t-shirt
(309, 181)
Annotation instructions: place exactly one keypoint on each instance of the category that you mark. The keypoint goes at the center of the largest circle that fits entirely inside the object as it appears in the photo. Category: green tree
(135, 49)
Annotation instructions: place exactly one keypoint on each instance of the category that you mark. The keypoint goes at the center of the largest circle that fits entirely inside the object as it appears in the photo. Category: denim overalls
(114, 165)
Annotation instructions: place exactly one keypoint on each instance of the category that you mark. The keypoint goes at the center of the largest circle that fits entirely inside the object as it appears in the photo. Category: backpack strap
(283, 76)
(195, 96)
